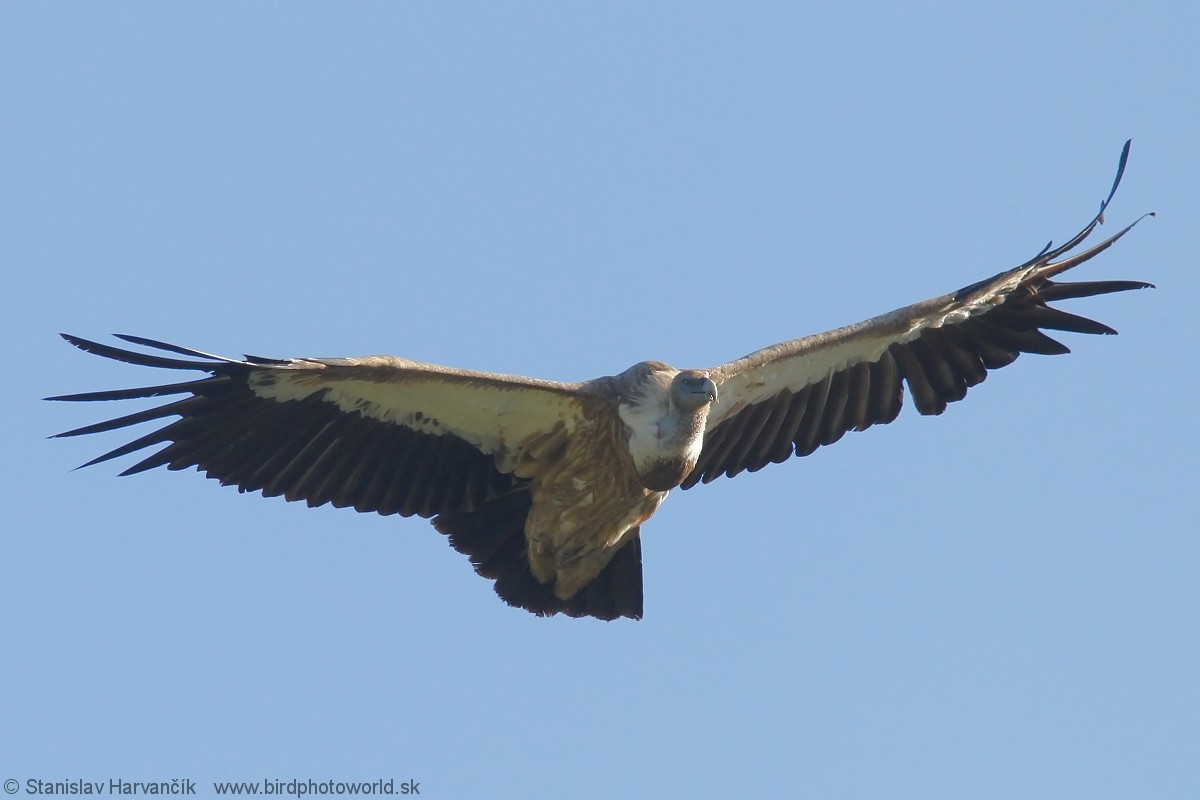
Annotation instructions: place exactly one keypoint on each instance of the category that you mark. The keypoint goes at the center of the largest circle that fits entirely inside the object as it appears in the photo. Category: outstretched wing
(792, 397)
(376, 433)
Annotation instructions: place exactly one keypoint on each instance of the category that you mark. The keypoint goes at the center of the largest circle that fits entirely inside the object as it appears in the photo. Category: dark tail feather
(493, 537)
(617, 590)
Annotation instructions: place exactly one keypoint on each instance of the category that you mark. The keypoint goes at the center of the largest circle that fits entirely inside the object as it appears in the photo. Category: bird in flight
(545, 485)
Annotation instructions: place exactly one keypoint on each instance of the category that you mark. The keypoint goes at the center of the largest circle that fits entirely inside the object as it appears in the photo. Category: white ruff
(657, 434)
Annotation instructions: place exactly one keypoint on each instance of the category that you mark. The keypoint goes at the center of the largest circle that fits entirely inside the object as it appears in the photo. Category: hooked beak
(708, 389)
(693, 390)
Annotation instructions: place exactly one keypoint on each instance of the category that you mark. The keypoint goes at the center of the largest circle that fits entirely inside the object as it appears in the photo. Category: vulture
(545, 486)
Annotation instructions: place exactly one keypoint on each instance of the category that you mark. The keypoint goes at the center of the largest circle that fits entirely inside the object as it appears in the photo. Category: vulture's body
(545, 485)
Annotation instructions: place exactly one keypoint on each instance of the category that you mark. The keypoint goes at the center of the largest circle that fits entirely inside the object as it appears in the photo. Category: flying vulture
(545, 485)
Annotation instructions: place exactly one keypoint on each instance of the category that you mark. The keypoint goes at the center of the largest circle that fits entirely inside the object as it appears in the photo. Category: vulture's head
(692, 391)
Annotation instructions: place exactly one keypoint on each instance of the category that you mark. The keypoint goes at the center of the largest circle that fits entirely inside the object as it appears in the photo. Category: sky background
(999, 602)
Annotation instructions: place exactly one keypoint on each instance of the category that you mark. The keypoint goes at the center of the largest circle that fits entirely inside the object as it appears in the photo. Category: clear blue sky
(1000, 602)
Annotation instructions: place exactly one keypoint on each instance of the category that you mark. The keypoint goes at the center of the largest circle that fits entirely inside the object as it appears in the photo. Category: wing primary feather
(1011, 317)
(439, 481)
(1074, 241)
(858, 397)
(318, 486)
(1053, 291)
(959, 352)
(150, 462)
(747, 437)
(172, 348)
(372, 495)
(995, 356)
(1040, 255)
(264, 445)
(354, 487)
(198, 387)
(337, 461)
(314, 485)
(1121, 163)
(1058, 320)
(264, 442)
(453, 484)
(429, 482)
(131, 357)
(178, 407)
(1058, 267)
(1021, 341)
(806, 434)
(415, 456)
(732, 437)
(354, 441)
(832, 428)
(786, 438)
(991, 340)
(768, 436)
(714, 441)
(949, 384)
(391, 476)
(924, 397)
(312, 465)
(418, 501)
(280, 473)
(211, 440)
(154, 437)
(180, 434)
(243, 455)
(887, 390)
(737, 435)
